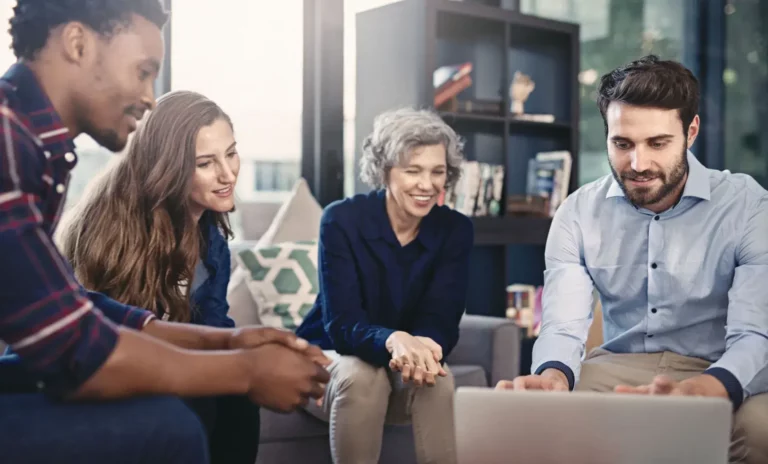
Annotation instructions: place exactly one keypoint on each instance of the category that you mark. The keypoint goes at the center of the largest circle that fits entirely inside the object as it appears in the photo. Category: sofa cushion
(282, 280)
(294, 426)
(468, 376)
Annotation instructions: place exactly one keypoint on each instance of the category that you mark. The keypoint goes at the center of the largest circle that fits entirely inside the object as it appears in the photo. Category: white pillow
(298, 219)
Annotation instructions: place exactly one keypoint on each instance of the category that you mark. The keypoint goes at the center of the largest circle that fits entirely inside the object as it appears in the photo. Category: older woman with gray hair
(393, 268)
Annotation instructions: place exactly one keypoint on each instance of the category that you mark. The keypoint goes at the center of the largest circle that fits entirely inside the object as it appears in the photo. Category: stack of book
(549, 174)
(449, 81)
(479, 190)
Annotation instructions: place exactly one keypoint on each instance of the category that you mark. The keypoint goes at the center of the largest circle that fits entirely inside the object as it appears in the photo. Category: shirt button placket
(655, 282)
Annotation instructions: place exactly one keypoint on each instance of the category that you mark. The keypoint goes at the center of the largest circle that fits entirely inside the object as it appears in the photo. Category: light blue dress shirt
(692, 280)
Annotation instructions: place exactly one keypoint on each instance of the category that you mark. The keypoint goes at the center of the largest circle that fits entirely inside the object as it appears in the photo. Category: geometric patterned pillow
(282, 279)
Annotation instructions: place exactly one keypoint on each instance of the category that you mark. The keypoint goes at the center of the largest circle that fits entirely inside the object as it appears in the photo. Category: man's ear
(693, 130)
(77, 41)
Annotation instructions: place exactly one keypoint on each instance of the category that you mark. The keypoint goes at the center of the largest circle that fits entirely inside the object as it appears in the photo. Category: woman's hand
(437, 350)
(414, 359)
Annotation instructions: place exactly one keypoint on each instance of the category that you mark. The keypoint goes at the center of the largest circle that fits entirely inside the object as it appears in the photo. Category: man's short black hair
(652, 83)
(33, 20)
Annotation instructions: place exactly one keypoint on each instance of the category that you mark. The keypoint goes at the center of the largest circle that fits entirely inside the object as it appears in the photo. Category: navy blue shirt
(371, 286)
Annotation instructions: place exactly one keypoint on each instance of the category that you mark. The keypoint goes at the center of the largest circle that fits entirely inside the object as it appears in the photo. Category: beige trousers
(603, 370)
(361, 398)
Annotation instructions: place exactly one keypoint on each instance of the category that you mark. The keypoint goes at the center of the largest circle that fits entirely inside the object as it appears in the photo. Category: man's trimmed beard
(644, 196)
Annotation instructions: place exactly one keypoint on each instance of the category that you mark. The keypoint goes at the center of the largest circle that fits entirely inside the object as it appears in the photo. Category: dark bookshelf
(399, 45)
(504, 230)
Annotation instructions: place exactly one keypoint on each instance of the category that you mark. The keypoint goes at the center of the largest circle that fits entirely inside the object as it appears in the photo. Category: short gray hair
(396, 133)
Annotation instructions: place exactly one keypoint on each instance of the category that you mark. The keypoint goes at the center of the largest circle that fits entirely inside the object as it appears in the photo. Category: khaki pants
(361, 398)
(603, 370)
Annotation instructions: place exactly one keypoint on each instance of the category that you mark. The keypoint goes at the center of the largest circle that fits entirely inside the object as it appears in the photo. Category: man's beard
(644, 196)
(107, 138)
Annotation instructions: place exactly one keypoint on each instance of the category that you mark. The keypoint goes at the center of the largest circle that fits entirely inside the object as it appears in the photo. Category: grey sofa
(488, 351)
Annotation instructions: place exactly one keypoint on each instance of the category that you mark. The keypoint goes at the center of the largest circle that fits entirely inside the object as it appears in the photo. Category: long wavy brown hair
(132, 236)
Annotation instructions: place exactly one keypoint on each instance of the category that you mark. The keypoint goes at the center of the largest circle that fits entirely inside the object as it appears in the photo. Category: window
(746, 88)
(611, 35)
(248, 58)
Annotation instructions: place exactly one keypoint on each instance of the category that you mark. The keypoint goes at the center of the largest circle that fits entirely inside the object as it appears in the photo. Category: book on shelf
(549, 174)
(445, 75)
(478, 191)
(451, 80)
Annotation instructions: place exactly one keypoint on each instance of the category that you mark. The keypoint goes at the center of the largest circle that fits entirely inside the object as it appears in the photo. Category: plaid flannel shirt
(58, 334)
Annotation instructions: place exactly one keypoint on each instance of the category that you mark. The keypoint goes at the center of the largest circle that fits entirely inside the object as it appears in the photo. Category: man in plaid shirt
(88, 66)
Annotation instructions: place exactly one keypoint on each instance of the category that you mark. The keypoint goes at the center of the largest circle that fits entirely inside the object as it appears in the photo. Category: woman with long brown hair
(152, 232)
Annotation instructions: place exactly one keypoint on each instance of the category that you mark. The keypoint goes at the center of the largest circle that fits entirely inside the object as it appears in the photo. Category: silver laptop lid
(589, 428)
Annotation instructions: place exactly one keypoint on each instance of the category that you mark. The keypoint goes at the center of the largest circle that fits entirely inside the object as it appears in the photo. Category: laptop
(589, 428)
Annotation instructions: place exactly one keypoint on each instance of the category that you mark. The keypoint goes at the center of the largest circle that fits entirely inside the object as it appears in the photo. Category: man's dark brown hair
(653, 83)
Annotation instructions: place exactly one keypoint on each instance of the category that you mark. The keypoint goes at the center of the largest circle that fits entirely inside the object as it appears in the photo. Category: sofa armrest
(490, 342)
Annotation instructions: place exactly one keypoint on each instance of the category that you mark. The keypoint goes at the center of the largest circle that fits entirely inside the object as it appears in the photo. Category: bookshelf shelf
(400, 46)
(450, 117)
(523, 125)
(511, 230)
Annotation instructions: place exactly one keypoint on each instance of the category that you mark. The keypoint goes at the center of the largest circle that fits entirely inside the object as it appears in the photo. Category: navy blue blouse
(371, 286)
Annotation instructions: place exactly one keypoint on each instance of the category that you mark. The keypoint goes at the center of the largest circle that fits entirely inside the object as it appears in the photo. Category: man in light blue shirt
(678, 254)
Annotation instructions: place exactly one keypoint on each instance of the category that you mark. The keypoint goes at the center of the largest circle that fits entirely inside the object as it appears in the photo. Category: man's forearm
(190, 336)
(141, 364)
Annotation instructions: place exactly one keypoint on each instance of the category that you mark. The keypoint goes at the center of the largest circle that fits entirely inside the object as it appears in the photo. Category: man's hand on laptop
(700, 385)
(549, 380)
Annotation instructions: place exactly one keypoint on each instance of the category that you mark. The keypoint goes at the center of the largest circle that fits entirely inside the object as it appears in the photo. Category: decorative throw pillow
(297, 219)
(282, 280)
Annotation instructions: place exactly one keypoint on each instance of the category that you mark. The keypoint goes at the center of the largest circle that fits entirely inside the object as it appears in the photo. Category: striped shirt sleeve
(45, 315)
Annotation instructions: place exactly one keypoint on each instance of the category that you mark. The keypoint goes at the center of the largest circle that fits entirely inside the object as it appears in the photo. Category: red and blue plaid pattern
(55, 330)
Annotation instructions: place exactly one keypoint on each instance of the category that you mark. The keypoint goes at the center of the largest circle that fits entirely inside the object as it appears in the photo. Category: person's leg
(34, 429)
(235, 439)
(355, 405)
(430, 410)
(750, 428)
(206, 410)
(602, 371)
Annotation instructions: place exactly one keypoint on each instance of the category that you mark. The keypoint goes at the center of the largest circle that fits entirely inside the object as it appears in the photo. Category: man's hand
(415, 360)
(281, 378)
(254, 337)
(549, 380)
(700, 385)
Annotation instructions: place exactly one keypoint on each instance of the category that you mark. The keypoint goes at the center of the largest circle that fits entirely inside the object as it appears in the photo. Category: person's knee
(749, 426)
(444, 386)
(175, 431)
(355, 378)
(441, 392)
